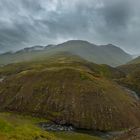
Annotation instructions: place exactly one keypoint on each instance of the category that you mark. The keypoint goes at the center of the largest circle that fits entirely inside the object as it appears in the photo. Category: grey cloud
(28, 22)
(117, 14)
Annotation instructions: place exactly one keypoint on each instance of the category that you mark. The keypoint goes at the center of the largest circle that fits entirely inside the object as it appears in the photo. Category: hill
(135, 61)
(69, 90)
(103, 54)
(132, 78)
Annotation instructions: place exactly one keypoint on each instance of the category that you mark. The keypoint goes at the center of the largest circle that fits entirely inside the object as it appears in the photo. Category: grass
(74, 136)
(19, 127)
(16, 127)
(63, 88)
(132, 78)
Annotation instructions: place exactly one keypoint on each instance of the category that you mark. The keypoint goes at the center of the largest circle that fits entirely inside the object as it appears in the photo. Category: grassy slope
(74, 136)
(132, 79)
(135, 61)
(69, 90)
(62, 60)
(17, 127)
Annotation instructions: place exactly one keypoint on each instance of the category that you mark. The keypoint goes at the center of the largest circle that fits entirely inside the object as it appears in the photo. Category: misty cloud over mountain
(25, 23)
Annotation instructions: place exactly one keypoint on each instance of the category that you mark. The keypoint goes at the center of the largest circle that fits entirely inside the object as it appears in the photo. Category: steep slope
(68, 90)
(133, 134)
(105, 54)
(132, 78)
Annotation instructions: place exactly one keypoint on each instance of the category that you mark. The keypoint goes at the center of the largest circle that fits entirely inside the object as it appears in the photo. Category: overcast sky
(24, 23)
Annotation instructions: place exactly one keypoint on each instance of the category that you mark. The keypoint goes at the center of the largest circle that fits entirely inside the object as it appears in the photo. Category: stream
(68, 128)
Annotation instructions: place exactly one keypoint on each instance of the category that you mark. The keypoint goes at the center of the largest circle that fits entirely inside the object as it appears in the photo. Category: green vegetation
(17, 127)
(132, 78)
(135, 61)
(74, 136)
(68, 89)
(5, 127)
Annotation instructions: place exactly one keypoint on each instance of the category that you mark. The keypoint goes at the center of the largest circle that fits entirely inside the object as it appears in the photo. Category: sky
(24, 23)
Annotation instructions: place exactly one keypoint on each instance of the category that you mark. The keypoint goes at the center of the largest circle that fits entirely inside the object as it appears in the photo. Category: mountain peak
(77, 42)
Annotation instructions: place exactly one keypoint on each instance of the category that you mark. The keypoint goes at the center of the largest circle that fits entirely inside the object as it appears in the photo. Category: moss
(5, 127)
(75, 136)
(83, 76)
(16, 127)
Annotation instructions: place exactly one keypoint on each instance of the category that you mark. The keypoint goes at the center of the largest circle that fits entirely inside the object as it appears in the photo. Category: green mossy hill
(129, 68)
(69, 90)
(61, 60)
(132, 78)
(135, 61)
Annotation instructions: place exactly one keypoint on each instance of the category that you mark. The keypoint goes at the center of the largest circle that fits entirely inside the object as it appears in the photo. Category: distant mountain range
(100, 54)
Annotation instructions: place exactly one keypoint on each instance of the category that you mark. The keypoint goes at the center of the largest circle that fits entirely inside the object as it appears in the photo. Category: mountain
(67, 89)
(34, 48)
(103, 54)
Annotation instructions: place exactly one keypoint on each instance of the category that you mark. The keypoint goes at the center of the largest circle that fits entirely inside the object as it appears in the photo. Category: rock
(55, 127)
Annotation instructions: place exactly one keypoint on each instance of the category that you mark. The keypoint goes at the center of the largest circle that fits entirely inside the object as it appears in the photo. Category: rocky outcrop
(133, 134)
(55, 127)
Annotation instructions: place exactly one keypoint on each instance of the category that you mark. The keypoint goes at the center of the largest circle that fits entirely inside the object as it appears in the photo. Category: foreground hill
(103, 54)
(16, 127)
(69, 90)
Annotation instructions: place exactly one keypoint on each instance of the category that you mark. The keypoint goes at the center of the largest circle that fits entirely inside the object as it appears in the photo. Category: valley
(83, 100)
(69, 70)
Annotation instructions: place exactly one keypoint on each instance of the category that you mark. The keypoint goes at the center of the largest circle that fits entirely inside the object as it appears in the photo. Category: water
(132, 93)
(68, 128)
(56, 127)
(1, 79)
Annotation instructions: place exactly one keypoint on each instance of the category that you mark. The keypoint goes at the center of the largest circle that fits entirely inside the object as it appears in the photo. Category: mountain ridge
(100, 54)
